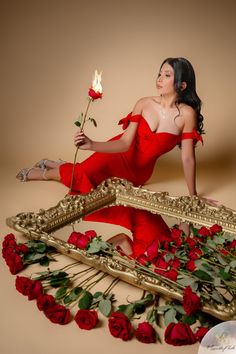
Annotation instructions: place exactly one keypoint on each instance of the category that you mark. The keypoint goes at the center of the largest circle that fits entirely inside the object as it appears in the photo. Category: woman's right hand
(82, 141)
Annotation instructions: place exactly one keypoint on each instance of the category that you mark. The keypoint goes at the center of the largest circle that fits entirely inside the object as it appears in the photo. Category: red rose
(45, 301)
(91, 233)
(161, 263)
(176, 233)
(145, 333)
(191, 302)
(224, 252)
(9, 241)
(119, 326)
(83, 242)
(22, 285)
(143, 259)
(15, 263)
(232, 244)
(58, 314)
(204, 232)
(166, 245)
(152, 251)
(171, 274)
(215, 229)
(74, 237)
(22, 248)
(94, 95)
(8, 253)
(35, 289)
(86, 319)
(175, 263)
(201, 333)
(190, 265)
(179, 334)
(190, 241)
(195, 254)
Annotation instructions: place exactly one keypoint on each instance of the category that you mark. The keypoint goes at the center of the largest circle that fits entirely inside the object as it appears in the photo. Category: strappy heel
(23, 174)
(42, 163)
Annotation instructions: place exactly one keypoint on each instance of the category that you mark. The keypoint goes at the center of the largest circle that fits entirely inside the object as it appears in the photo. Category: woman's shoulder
(144, 101)
(189, 115)
(187, 110)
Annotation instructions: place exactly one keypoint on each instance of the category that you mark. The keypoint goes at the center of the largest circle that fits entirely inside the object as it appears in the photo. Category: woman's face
(165, 80)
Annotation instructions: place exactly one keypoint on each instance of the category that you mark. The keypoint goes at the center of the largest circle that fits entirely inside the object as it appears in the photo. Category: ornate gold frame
(115, 192)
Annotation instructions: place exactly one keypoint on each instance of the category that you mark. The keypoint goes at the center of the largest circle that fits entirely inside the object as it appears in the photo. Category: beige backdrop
(50, 50)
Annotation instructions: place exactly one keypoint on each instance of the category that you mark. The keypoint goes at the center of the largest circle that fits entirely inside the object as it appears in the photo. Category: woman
(155, 126)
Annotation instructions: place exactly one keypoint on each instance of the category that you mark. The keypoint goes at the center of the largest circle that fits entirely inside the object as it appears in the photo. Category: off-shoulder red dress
(135, 165)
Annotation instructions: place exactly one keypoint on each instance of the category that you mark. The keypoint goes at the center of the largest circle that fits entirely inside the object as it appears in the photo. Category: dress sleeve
(129, 118)
(192, 135)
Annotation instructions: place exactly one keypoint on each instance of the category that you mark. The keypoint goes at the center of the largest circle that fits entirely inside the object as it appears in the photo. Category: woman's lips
(159, 86)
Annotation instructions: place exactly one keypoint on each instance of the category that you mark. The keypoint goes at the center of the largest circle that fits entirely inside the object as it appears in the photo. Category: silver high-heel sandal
(42, 163)
(23, 174)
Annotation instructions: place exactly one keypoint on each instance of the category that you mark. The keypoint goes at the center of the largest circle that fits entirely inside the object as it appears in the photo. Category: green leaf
(180, 309)
(221, 259)
(233, 264)
(189, 319)
(217, 282)
(201, 274)
(97, 294)
(169, 316)
(224, 275)
(59, 279)
(44, 261)
(181, 254)
(93, 121)
(97, 245)
(105, 307)
(211, 243)
(85, 301)
(139, 309)
(219, 240)
(33, 257)
(128, 310)
(75, 292)
(77, 123)
(152, 316)
(60, 293)
(184, 280)
(162, 309)
(145, 301)
(41, 247)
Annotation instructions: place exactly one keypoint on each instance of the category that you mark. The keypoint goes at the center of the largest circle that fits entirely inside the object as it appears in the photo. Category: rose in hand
(82, 141)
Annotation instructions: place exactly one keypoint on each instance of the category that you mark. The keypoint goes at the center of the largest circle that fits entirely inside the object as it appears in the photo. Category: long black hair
(184, 72)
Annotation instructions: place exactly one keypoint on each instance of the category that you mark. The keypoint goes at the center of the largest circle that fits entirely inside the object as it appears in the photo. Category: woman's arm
(189, 165)
(188, 151)
(113, 146)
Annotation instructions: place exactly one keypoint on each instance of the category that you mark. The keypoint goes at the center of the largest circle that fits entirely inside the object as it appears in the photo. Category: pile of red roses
(195, 264)
(56, 313)
(18, 255)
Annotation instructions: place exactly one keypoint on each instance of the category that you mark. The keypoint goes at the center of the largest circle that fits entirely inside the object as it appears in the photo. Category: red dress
(135, 165)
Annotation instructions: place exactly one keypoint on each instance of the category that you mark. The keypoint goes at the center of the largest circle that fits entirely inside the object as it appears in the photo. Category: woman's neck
(168, 101)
